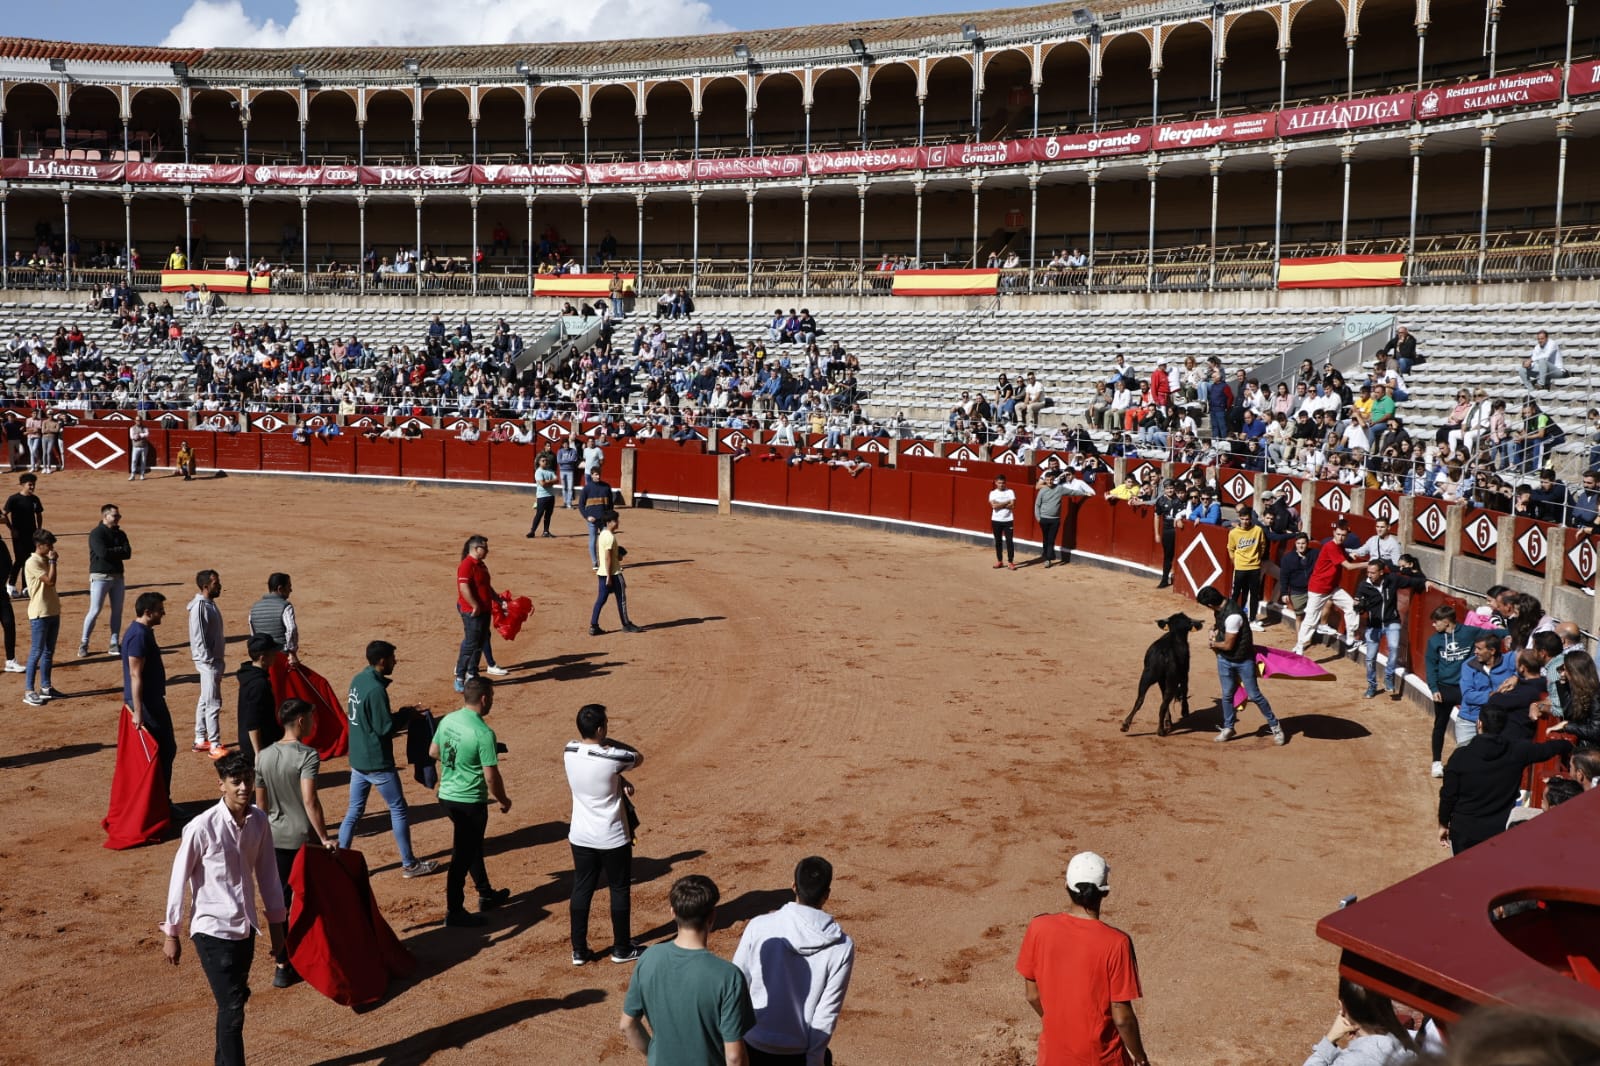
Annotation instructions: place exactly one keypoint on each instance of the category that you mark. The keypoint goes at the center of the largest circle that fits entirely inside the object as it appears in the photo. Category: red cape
(338, 940)
(331, 737)
(139, 812)
(509, 621)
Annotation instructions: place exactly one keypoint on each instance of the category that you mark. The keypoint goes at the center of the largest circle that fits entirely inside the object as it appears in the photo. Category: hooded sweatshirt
(797, 962)
(1482, 781)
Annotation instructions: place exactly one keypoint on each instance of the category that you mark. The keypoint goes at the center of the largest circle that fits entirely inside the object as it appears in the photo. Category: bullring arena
(344, 279)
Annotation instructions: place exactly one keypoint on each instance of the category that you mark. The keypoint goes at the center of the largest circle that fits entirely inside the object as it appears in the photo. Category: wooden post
(1452, 541)
(630, 458)
(1504, 545)
(1407, 520)
(724, 484)
(1358, 499)
(1555, 554)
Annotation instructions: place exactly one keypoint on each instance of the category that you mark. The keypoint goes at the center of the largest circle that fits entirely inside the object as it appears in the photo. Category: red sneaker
(998, 564)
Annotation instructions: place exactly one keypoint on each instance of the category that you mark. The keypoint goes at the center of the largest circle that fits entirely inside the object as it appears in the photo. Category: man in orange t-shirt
(1081, 977)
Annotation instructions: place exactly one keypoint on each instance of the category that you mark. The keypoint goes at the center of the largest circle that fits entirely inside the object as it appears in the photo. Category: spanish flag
(1342, 272)
(579, 286)
(946, 282)
(215, 280)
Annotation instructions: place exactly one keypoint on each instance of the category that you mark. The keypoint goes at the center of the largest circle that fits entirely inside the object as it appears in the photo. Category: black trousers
(543, 508)
(1048, 529)
(1441, 717)
(758, 1057)
(21, 548)
(1169, 546)
(1247, 592)
(1004, 540)
(587, 864)
(285, 857)
(227, 967)
(470, 822)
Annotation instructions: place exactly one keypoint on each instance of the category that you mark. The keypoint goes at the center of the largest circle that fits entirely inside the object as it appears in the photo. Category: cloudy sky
(291, 23)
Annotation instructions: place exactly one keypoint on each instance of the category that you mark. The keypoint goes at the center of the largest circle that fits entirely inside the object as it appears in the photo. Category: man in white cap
(1080, 976)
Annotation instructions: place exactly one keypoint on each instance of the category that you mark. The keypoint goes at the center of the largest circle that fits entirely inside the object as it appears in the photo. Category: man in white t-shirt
(1002, 521)
(601, 835)
(1382, 545)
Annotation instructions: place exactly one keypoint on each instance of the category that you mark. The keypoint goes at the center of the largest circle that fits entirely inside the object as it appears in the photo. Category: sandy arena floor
(946, 734)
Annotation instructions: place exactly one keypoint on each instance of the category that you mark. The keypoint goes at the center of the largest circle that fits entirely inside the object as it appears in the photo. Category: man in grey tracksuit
(207, 646)
(1048, 495)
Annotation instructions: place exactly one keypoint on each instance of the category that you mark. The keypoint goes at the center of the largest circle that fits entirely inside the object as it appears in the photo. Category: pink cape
(1270, 662)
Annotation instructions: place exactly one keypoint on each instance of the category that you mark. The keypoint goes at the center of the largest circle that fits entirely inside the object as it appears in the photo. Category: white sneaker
(496, 671)
(13, 667)
(1258, 626)
(1299, 649)
(1438, 769)
(1224, 736)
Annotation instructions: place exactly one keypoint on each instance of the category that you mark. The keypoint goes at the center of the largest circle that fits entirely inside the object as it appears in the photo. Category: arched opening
(331, 128)
(1007, 96)
(613, 124)
(502, 129)
(389, 136)
(275, 127)
(722, 118)
(780, 112)
(94, 123)
(1532, 33)
(1317, 53)
(33, 123)
(557, 125)
(948, 108)
(669, 124)
(1386, 50)
(215, 133)
(1186, 69)
(1250, 71)
(1125, 79)
(446, 128)
(156, 128)
(1064, 89)
(836, 108)
(892, 111)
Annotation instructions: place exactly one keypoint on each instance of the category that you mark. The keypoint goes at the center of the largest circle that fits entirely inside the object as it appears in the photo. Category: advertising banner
(875, 161)
(761, 166)
(1508, 90)
(186, 173)
(632, 173)
(418, 175)
(1346, 114)
(294, 176)
(990, 154)
(58, 170)
(524, 174)
(1584, 78)
(1093, 145)
(1235, 129)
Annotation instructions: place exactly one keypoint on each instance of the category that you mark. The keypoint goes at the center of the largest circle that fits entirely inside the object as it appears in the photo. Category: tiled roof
(28, 48)
(879, 34)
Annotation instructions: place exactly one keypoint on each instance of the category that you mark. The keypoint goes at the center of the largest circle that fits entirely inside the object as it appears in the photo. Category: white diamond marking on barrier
(1481, 532)
(268, 423)
(1583, 559)
(736, 440)
(963, 454)
(111, 453)
(458, 425)
(1533, 544)
(1294, 491)
(1183, 564)
(1335, 499)
(1432, 522)
(1138, 471)
(117, 416)
(553, 431)
(880, 448)
(1384, 508)
(919, 448)
(1240, 487)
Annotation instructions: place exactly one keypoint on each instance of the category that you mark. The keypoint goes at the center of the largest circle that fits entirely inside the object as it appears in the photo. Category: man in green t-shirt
(469, 773)
(698, 1005)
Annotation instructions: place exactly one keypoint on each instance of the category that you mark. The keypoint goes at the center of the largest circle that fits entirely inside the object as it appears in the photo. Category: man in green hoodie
(372, 730)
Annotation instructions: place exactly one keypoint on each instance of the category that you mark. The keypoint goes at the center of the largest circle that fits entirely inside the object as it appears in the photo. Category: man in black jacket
(108, 548)
(258, 709)
(1483, 779)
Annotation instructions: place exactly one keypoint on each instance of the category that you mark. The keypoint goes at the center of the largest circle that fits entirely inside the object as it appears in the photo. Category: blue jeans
(1231, 675)
(42, 649)
(1219, 423)
(569, 479)
(387, 782)
(1392, 632)
(594, 538)
(100, 588)
(474, 635)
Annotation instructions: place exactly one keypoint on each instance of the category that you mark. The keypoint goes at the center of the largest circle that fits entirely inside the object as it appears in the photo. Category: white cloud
(354, 23)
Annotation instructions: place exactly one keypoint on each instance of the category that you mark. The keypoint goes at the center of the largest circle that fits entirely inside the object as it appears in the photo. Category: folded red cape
(139, 812)
(508, 621)
(338, 940)
(331, 733)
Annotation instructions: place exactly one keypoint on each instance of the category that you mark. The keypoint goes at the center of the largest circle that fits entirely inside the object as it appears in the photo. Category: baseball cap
(1087, 868)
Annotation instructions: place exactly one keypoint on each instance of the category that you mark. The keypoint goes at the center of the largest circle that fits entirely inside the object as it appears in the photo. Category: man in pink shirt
(222, 850)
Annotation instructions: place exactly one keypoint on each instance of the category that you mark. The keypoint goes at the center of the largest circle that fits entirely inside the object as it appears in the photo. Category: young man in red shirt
(1081, 977)
(1323, 588)
(474, 595)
